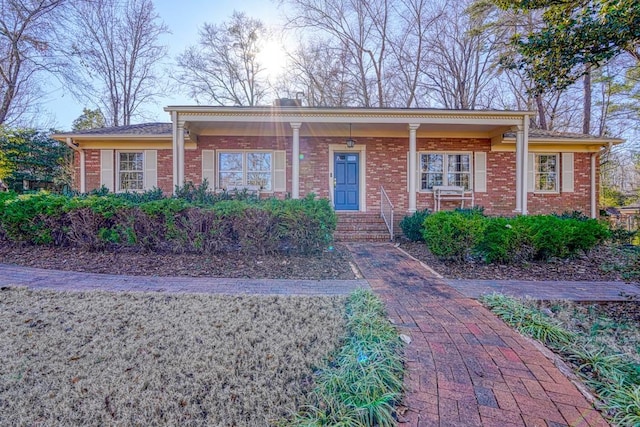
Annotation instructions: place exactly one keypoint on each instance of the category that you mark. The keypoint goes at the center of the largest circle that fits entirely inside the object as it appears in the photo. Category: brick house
(419, 158)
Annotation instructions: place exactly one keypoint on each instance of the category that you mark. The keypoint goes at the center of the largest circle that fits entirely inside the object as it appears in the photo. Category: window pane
(131, 181)
(259, 162)
(458, 179)
(458, 163)
(431, 167)
(230, 162)
(262, 180)
(431, 163)
(230, 179)
(130, 174)
(431, 179)
(545, 172)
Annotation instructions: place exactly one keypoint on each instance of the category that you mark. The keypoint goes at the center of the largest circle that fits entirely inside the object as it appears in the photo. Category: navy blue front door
(346, 192)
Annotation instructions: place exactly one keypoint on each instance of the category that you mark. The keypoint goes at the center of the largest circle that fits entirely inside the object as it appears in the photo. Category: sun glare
(273, 58)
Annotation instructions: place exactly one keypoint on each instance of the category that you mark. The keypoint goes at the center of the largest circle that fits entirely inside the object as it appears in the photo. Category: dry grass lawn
(156, 359)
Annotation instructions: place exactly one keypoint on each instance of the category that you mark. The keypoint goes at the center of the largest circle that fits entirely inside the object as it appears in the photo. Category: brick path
(548, 290)
(37, 278)
(465, 366)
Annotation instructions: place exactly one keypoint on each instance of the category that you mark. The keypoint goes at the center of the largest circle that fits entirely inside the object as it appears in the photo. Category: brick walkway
(548, 290)
(36, 278)
(465, 366)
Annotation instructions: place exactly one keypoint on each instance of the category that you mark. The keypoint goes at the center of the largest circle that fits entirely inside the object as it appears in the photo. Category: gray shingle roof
(549, 134)
(157, 128)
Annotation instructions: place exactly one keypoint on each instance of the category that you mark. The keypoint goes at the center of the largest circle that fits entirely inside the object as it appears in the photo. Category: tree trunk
(542, 119)
(586, 118)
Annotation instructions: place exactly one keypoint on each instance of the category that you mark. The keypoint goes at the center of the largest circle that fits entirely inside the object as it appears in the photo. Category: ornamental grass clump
(362, 381)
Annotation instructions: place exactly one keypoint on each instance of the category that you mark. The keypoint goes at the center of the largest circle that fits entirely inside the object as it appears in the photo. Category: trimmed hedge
(111, 221)
(459, 235)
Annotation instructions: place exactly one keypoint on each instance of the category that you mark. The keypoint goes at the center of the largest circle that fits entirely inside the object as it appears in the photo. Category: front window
(251, 168)
(445, 169)
(546, 172)
(130, 171)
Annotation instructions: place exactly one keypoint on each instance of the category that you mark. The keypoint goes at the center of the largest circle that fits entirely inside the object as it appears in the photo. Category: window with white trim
(546, 173)
(445, 169)
(130, 171)
(245, 168)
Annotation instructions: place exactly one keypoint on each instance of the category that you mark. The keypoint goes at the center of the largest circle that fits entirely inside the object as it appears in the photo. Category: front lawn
(149, 359)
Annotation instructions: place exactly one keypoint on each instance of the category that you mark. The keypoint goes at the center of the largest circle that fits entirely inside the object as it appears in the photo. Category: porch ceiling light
(350, 141)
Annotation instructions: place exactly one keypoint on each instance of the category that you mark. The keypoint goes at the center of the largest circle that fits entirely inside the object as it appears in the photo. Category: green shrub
(151, 222)
(554, 237)
(452, 235)
(411, 225)
(32, 217)
(504, 240)
(455, 235)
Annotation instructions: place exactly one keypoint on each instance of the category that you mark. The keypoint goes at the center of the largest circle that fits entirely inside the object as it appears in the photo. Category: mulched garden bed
(326, 265)
(594, 266)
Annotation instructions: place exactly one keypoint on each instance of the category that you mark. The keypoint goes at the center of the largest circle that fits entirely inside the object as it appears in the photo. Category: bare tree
(410, 44)
(224, 67)
(463, 58)
(381, 43)
(359, 27)
(27, 49)
(318, 71)
(117, 50)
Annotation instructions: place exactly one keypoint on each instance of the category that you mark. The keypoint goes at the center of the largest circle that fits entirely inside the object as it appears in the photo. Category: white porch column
(174, 149)
(180, 147)
(525, 163)
(83, 177)
(519, 162)
(412, 167)
(295, 161)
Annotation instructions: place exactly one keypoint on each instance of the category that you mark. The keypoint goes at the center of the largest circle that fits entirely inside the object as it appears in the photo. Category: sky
(184, 18)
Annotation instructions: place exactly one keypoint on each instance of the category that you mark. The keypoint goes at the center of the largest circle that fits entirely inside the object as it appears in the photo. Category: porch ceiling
(358, 130)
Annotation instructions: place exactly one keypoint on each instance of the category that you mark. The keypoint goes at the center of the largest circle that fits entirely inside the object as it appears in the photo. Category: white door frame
(362, 186)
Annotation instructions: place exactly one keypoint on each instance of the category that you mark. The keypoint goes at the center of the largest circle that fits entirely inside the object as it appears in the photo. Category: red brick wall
(386, 162)
(165, 171)
(193, 158)
(579, 200)
(92, 170)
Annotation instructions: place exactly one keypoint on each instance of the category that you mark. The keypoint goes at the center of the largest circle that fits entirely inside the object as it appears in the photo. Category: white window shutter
(531, 172)
(150, 177)
(480, 172)
(279, 171)
(106, 169)
(567, 173)
(208, 167)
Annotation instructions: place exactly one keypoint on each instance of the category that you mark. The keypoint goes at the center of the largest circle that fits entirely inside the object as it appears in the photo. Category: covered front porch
(354, 156)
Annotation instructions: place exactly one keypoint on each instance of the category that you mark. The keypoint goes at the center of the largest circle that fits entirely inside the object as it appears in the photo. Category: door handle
(335, 183)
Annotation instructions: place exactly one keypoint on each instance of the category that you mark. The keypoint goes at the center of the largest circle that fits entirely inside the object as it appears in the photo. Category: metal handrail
(386, 210)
